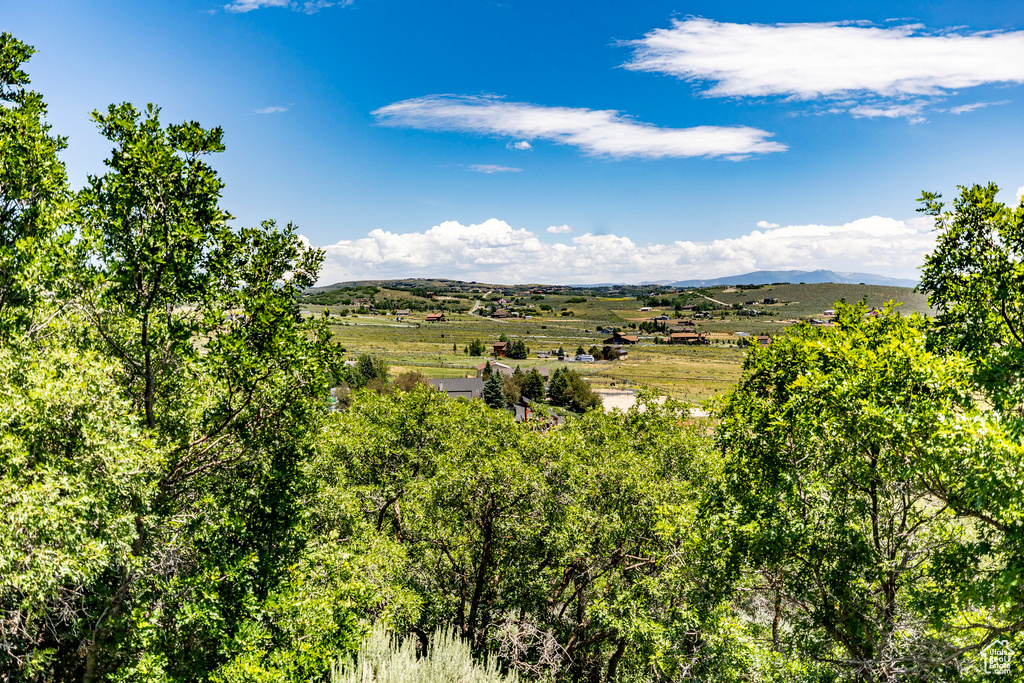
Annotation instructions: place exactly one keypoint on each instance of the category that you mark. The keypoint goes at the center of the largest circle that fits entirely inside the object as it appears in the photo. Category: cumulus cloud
(495, 251)
(520, 144)
(560, 229)
(595, 132)
(765, 225)
(270, 110)
(828, 60)
(308, 7)
(493, 168)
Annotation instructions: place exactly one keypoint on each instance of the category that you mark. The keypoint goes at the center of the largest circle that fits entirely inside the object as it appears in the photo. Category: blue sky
(563, 141)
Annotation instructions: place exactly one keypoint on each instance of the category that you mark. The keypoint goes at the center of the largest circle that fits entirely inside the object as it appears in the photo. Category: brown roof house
(687, 338)
(619, 338)
(500, 368)
(435, 318)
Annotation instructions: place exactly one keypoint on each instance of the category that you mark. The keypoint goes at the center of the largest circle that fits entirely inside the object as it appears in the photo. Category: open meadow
(579, 318)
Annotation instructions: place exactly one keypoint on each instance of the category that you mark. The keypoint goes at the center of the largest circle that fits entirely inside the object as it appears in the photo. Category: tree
(975, 278)
(476, 348)
(512, 388)
(580, 350)
(517, 350)
(558, 387)
(494, 395)
(533, 387)
(75, 468)
(568, 388)
(828, 439)
(410, 379)
(33, 189)
(221, 371)
(579, 554)
(368, 370)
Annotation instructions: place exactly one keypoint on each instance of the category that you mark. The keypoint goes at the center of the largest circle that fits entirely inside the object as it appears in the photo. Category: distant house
(403, 312)
(687, 338)
(659, 318)
(619, 338)
(763, 340)
(435, 318)
(500, 313)
(645, 308)
(770, 300)
(499, 349)
(459, 387)
(584, 358)
(543, 354)
(688, 307)
(501, 368)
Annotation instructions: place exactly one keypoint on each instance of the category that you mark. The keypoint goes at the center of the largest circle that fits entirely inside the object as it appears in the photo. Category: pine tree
(493, 395)
(533, 387)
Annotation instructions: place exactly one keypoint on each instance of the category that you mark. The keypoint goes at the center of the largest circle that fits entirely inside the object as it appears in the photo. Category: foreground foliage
(563, 551)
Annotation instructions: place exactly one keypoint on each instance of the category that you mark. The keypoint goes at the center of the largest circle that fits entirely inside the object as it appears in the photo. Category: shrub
(384, 658)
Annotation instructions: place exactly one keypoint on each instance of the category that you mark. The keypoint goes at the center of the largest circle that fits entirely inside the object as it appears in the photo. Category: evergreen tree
(493, 394)
(517, 350)
(533, 387)
(558, 388)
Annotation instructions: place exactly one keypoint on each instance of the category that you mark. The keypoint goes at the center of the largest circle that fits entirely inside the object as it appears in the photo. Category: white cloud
(241, 6)
(560, 229)
(604, 132)
(765, 225)
(496, 252)
(493, 168)
(308, 6)
(520, 144)
(828, 60)
(270, 110)
(965, 108)
(911, 111)
(1020, 193)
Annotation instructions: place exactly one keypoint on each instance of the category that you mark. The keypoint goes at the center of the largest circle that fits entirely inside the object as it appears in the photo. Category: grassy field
(689, 373)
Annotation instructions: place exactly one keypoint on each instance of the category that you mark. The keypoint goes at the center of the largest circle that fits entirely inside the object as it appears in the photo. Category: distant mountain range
(810, 277)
